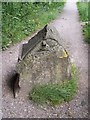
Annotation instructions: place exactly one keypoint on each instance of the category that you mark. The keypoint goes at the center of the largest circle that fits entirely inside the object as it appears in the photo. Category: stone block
(43, 60)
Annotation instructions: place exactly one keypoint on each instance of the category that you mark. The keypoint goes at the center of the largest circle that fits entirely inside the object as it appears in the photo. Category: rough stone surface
(47, 62)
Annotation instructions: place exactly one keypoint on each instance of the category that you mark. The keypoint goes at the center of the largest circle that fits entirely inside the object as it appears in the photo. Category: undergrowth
(84, 12)
(86, 32)
(55, 94)
(21, 19)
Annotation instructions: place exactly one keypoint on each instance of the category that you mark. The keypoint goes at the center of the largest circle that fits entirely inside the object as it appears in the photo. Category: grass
(55, 94)
(84, 8)
(86, 32)
(20, 20)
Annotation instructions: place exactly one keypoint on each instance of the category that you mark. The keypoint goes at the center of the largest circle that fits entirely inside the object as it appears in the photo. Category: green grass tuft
(55, 94)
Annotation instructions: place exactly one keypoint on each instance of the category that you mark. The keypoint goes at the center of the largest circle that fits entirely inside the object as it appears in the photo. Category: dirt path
(69, 28)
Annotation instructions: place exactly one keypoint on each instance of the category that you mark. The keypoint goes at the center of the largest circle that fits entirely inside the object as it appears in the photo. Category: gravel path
(69, 28)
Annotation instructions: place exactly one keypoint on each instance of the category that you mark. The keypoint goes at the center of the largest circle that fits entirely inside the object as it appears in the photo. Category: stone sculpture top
(48, 32)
